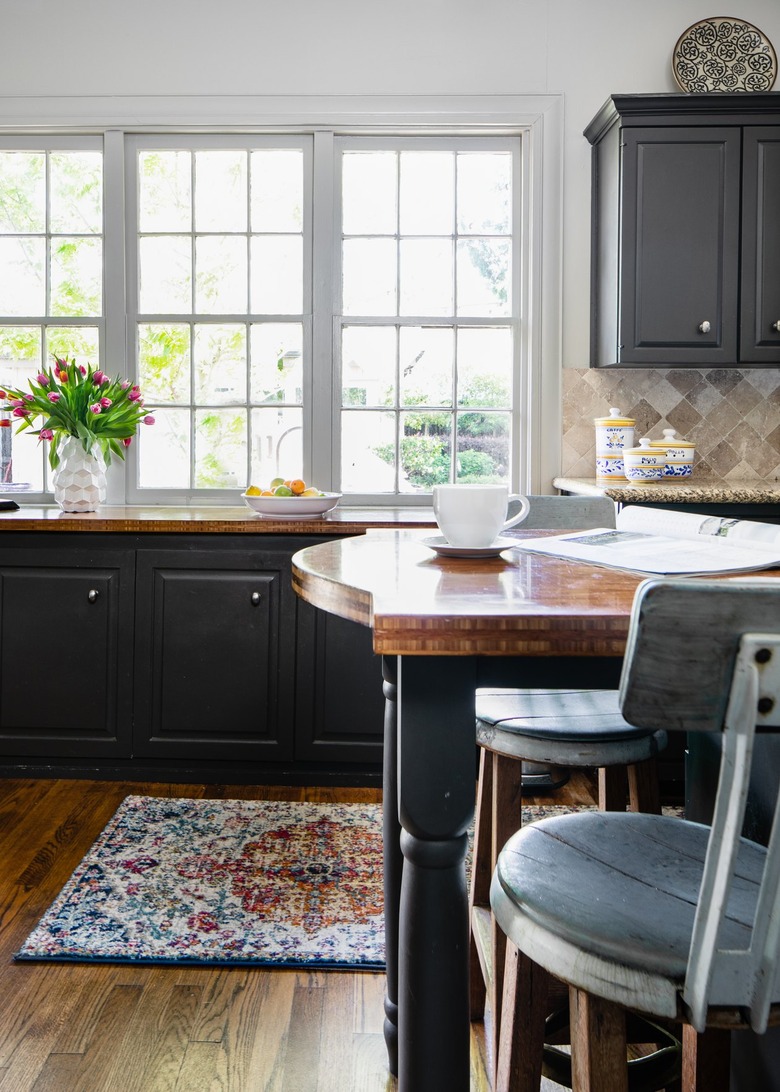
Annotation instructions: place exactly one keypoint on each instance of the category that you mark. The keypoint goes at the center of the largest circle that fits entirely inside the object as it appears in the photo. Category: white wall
(585, 49)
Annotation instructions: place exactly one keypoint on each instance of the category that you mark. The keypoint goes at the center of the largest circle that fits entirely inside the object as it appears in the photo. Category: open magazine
(653, 540)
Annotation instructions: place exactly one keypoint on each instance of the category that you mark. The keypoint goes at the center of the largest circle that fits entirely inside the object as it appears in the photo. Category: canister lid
(671, 440)
(615, 418)
(645, 447)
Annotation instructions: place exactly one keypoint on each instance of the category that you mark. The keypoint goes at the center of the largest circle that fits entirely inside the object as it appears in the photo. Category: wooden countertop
(194, 519)
(519, 603)
(691, 491)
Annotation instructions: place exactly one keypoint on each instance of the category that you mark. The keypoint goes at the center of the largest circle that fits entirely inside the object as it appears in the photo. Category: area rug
(272, 883)
(263, 883)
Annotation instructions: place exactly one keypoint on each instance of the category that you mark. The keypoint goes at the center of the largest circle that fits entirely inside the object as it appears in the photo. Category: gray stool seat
(570, 726)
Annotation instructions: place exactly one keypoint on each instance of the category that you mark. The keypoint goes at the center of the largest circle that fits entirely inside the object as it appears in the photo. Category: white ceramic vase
(80, 479)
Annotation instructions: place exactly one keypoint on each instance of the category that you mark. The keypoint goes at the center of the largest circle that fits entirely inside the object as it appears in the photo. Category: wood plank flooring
(113, 1028)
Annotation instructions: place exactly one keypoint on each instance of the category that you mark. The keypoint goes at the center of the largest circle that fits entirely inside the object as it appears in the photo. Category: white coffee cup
(474, 515)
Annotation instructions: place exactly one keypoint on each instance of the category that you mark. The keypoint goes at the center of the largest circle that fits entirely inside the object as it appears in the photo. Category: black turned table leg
(393, 860)
(436, 770)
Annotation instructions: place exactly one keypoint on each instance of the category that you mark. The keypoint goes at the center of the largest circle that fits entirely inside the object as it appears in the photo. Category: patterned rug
(266, 883)
(222, 882)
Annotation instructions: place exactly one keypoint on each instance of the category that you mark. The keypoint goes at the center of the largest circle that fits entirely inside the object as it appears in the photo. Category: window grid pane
(51, 280)
(221, 295)
(428, 328)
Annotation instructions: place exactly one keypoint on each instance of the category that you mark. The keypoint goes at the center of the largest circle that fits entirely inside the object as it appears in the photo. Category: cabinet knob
(92, 594)
(704, 327)
(255, 598)
(776, 326)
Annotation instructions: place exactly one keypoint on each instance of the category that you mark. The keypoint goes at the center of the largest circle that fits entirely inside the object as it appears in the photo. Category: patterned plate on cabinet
(724, 54)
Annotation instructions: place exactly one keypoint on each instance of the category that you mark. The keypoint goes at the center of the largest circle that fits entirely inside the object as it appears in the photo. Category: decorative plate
(724, 53)
(443, 548)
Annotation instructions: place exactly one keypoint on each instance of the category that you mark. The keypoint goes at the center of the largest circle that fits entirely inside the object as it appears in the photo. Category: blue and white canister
(679, 454)
(613, 434)
(644, 463)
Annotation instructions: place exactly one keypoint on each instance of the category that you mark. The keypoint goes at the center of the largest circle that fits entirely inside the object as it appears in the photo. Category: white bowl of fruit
(289, 498)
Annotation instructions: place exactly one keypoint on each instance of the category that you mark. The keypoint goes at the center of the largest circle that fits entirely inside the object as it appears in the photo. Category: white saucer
(444, 549)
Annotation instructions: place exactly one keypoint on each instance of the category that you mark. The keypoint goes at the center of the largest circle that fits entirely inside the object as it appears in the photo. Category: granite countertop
(690, 491)
(193, 519)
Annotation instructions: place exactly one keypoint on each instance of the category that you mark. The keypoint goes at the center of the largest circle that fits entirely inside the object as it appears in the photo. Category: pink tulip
(18, 403)
(148, 420)
(98, 377)
(43, 379)
(125, 384)
(95, 408)
(127, 440)
(46, 434)
(28, 397)
(19, 412)
(134, 395)
(54, 396)
(82, 369)
(105, 402)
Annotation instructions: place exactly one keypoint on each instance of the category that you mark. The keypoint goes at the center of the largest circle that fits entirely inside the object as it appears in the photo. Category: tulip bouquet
(72, 400)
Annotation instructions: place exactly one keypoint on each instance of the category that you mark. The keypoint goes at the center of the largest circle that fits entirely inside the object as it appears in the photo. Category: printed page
(660, 554)
(659, 521)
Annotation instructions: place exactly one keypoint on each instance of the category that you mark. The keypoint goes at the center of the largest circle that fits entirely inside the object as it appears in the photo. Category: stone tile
(764, 419)
(744, 397)
(773, 439)
(684, 418)
(684, 379)
(723, 380)
(704, 436)
(722, 459)
(725, 419)
(646, 417)
(740, 472)
(702, 469)
(580, 438)
(704, 397)
(765, 380)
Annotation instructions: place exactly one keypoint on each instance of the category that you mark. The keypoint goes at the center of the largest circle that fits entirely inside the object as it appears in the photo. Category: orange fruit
(297, 486)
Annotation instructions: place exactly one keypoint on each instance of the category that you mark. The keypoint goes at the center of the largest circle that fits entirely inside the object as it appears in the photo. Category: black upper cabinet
(686, 231)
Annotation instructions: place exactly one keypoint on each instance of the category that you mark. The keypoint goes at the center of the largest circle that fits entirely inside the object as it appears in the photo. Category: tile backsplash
(732, 415)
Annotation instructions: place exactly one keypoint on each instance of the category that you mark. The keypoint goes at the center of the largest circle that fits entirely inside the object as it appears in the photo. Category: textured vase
(80, 478)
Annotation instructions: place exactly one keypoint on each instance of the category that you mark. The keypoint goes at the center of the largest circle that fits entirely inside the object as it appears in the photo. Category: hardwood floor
(114, 1028)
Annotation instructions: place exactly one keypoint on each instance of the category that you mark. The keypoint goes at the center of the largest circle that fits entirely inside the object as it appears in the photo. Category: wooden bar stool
(562, 728)
(650, 914)
(529, 739)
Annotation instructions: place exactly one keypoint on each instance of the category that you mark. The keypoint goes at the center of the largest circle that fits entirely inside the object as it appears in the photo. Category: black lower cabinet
(66, 652)
(215, 655)
(183, 657)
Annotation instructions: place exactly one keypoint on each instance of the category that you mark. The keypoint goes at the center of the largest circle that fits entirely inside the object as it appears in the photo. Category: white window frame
(536, 119)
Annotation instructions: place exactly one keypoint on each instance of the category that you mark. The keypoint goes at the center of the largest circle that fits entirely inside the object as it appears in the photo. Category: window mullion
(325, 387)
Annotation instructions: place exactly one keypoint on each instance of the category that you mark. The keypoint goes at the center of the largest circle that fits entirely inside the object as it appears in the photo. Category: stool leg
(479, 893)
(506, 819)
(643, 790)
(524, 1010)
(706, 1060)
(598, 1044)
(612, 788)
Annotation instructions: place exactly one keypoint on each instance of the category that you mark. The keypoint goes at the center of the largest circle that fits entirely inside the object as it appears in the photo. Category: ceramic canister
(679, 454)
(613, 433)
(644, 463)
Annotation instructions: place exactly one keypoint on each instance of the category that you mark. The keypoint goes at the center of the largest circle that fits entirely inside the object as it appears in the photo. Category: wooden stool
(569, 728)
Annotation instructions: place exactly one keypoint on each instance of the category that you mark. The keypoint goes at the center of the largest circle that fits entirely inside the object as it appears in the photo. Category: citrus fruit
(282, 491)
(297, 487)
(276, 481)
(253, 491)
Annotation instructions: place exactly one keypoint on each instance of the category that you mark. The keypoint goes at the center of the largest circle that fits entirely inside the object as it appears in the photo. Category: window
(429, 314)
(51, 274)
(350, 307)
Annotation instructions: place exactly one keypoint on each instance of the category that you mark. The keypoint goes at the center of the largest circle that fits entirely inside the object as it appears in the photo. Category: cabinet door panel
(340, 699)
(680, 234)
(215, 643)
(760, 340)
(65, 655)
